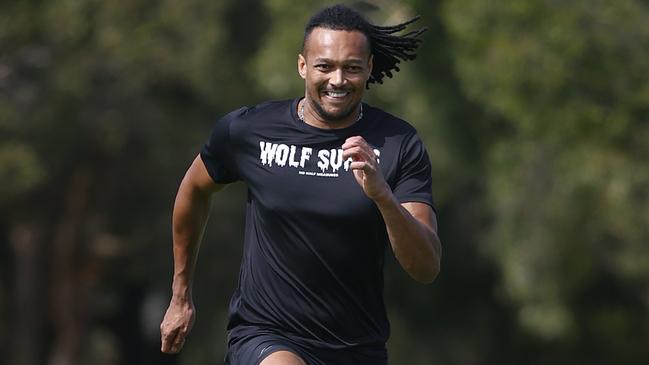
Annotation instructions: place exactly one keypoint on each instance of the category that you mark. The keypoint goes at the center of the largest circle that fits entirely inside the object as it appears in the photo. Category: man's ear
(370, 65)
(301, 65)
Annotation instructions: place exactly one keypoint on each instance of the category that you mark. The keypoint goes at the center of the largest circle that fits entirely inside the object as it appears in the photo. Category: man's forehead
(350, 60)
(333, 40)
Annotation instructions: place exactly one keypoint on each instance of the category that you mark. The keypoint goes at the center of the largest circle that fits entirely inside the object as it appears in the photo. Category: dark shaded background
(535, 114)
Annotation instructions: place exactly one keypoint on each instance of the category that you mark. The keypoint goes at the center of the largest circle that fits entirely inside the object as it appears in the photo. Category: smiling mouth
(336, 94)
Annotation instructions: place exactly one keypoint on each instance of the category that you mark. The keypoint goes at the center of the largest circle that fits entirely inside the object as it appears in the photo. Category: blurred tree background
(535, 114)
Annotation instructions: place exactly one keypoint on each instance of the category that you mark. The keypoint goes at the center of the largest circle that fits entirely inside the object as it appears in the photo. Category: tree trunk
(69, 302)
(26, 323)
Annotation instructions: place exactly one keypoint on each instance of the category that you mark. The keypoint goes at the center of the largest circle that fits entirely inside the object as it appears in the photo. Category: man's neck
(309, 116)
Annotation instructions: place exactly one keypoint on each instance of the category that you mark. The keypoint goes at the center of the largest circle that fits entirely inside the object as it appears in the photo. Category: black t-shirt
(312, 265)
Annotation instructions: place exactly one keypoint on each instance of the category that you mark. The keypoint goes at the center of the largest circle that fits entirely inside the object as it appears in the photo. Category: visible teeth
(337, 94)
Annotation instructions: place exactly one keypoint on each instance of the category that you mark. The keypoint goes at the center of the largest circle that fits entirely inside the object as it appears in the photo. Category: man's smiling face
(335, 66)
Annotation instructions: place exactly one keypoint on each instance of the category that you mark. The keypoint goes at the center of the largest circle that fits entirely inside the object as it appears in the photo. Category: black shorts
(253, 349)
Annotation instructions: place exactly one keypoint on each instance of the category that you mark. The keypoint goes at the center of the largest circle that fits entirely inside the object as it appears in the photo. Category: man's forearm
(191, 210)
(415, 245)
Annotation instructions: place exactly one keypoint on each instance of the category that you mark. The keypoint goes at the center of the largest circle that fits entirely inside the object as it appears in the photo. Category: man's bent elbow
(425, 275)
(429, 272)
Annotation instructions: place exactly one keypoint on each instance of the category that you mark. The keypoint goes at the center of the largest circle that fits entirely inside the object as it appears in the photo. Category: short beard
(328, 117)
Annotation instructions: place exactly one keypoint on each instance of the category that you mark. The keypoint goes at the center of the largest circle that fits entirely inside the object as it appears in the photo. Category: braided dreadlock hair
(388, 49)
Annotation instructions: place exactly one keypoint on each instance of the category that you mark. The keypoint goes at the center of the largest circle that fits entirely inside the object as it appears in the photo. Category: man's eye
(354, 69)
(322, 66)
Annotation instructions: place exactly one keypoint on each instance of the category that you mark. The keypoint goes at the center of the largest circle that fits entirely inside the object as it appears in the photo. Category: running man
(332, 182)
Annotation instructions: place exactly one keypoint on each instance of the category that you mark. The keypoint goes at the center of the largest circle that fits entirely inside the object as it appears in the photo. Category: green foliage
(535, 115)
(20, 171)
(568, 178)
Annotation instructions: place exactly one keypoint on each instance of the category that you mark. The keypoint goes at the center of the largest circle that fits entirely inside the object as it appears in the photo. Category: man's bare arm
(190, 213)
(412, 227)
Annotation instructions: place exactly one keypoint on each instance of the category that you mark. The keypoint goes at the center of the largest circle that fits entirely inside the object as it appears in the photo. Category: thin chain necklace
(300, 113)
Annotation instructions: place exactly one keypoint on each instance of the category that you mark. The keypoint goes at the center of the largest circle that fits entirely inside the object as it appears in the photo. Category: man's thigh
(272, 349)
(283, 357)
(263, 349)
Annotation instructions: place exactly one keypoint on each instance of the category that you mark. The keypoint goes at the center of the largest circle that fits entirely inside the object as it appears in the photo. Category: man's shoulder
(390, 121)
(264, 109)
(246, 119)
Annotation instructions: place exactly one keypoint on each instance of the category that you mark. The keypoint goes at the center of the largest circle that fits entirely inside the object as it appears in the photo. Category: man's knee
(283, 358)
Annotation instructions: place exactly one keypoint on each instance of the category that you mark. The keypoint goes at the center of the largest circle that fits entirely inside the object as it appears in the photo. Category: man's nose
(337, 78)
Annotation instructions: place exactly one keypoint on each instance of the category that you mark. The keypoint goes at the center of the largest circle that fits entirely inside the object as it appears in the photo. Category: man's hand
(411, 226)
(365, 166)
(177, 323)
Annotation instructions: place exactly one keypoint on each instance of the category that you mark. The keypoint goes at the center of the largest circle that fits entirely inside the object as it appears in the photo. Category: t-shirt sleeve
(414, 180)
(218, 154)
